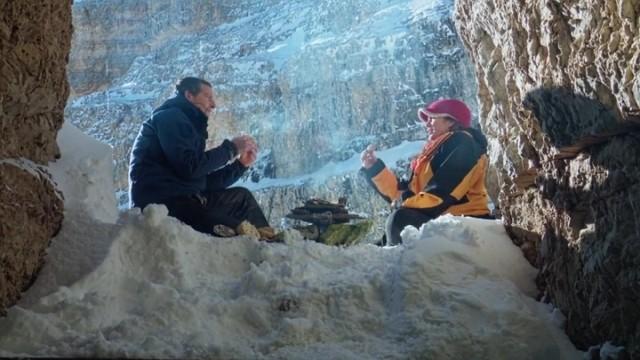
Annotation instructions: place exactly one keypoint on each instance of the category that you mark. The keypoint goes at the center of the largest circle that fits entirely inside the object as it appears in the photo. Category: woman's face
(437, 126)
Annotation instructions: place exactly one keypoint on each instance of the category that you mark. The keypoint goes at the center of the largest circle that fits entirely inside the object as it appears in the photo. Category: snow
(282, 52)
(85, 174)
(146, 286)
(427, 8)
(333, 169)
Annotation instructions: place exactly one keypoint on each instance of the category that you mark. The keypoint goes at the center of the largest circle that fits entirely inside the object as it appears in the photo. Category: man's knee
(240, 192)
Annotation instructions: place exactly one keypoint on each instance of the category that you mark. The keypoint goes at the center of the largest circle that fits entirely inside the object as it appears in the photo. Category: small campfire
(323, 213)
(329, 222)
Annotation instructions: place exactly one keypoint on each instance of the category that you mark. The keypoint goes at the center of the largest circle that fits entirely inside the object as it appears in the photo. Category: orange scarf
(429, 150)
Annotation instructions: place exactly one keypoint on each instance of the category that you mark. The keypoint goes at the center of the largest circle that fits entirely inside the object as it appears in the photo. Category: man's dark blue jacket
(168, 158)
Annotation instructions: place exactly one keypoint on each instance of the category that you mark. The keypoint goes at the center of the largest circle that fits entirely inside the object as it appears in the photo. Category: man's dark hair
(190, 84)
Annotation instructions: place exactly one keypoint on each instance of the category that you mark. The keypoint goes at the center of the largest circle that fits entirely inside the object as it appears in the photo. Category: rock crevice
(561, 78)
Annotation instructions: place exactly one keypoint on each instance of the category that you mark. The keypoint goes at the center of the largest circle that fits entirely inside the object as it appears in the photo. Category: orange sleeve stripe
(387, 183)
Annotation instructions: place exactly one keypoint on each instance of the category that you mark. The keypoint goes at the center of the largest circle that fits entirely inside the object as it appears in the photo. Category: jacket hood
(181, 103)
(479, 137)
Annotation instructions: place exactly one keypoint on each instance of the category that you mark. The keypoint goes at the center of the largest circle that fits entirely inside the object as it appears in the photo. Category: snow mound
(84, 174)
(165, 290)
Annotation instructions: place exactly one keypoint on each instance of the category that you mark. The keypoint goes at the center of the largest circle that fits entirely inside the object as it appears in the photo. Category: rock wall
(35, 38)
(109, 35)
(559, 89)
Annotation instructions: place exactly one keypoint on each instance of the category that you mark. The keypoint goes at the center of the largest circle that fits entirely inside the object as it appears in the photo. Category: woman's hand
(368, 157)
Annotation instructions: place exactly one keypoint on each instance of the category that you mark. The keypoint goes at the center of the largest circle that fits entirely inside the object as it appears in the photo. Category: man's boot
(247, 228)
(267, 232)
(223, 231)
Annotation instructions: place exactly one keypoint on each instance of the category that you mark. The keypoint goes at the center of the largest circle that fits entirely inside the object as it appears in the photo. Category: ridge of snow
(151, 286)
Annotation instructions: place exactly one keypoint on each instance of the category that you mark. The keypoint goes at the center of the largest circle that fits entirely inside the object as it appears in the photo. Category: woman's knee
(401, 218)
(392, 219)
(393, 228)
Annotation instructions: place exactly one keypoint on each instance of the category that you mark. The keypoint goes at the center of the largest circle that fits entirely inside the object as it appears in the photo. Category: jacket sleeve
(383, 180)
(452, 168)
(225, 177)
(184, 147)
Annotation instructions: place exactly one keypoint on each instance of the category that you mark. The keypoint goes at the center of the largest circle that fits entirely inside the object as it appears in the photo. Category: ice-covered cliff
(313, 81)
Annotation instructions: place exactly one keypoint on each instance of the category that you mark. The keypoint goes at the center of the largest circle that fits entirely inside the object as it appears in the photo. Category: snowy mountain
(313, 81)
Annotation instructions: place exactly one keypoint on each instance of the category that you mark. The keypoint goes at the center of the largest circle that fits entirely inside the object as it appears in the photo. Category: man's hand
(368, 157)
(243, 143)
(249, 157)
(247, 149)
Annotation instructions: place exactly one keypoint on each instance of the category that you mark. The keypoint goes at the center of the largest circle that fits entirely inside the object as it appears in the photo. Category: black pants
(403, 217)
(228, 207)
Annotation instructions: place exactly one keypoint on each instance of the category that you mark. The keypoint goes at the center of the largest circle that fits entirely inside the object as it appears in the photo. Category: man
(169, 165)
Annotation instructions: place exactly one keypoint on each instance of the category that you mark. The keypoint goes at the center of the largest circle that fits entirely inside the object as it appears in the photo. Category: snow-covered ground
(145, 285)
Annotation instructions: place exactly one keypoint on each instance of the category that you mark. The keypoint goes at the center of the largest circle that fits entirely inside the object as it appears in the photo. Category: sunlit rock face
(35, 38)
(109, 35)
(558, 85)
(313, 81)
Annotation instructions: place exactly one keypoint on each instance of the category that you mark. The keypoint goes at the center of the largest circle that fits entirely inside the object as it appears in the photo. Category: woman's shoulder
(458, 137)
(470, 139)
(478, 137)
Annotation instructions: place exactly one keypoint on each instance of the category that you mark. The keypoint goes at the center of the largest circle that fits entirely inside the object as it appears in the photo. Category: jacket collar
(195, 115)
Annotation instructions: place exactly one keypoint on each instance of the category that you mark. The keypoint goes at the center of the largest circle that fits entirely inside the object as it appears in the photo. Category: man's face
(203, 100)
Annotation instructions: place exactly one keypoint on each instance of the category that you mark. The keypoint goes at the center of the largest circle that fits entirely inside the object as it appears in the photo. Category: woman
(446, 177)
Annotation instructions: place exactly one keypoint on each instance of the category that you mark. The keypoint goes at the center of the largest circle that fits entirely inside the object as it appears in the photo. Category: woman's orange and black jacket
(446, 179)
